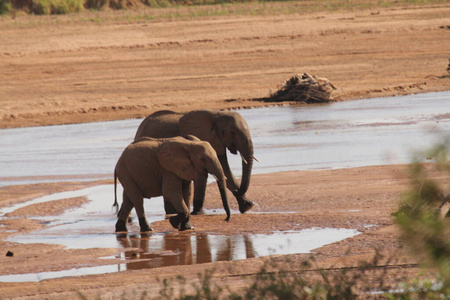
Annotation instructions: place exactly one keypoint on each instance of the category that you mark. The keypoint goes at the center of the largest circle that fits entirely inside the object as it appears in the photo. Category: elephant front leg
(173, 192)
(181, 222)
(187, 197)
(199, 194)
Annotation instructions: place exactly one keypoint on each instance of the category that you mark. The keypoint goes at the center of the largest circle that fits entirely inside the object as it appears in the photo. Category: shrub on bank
(46, 7)
(69, 6)
(423, 222)
(56, 7)
(5, 6)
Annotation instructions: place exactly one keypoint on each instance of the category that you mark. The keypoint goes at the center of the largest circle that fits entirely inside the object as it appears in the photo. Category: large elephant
(164, 167)
(223, 130)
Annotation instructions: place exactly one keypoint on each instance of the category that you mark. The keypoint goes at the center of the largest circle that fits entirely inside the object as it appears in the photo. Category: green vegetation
(424, 228)
(5, 6)
(216, 7)
(56, 7)
(274, 282)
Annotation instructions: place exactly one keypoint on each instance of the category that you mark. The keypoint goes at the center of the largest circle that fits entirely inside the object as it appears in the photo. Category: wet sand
(358, 198)
(65, 70)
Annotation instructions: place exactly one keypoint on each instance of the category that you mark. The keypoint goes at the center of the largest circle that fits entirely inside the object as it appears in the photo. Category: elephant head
(223, 130)
(192, 158)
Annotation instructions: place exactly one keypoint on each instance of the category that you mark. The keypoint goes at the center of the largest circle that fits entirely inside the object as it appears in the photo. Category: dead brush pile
(304, 88)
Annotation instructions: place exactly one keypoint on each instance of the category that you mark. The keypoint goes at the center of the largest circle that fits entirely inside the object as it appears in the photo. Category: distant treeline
(46, 7)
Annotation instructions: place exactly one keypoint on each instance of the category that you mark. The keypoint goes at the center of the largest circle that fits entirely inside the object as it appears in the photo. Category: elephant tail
(115, 205)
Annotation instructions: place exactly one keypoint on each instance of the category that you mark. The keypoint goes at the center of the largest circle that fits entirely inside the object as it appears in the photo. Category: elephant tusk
(244, 160)
(255, 159)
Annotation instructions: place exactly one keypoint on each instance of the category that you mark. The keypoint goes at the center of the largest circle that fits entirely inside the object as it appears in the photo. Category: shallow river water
(339, 135)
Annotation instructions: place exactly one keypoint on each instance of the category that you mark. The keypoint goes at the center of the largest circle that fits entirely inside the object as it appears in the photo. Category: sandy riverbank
(70, 69)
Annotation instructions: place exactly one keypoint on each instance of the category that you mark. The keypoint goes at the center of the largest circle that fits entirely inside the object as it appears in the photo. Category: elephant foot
(186, 226)
(144, 225)
(198, 212)
(181, 222)
(245, 205)
(121, 226)
(175, 220)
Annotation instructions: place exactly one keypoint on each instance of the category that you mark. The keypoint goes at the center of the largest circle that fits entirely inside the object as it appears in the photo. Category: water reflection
(187, 248)
(184, 249)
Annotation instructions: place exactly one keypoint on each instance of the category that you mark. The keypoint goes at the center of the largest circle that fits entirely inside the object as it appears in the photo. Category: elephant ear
(203, 125)
(174, 157)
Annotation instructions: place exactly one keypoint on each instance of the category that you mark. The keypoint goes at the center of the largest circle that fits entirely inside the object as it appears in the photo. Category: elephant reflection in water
(178, 249)
(227, 248)
(175, 250)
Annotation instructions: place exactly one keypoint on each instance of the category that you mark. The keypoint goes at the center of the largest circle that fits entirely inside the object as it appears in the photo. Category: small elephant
(223, 130)
(164, 167)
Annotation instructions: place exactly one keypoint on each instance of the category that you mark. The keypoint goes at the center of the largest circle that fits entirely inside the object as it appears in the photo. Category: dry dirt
(69, 69)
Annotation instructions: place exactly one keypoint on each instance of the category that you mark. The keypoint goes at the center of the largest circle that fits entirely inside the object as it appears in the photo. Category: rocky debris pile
(304, 88)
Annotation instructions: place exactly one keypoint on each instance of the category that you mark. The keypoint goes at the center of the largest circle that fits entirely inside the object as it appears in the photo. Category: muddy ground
(114, 65)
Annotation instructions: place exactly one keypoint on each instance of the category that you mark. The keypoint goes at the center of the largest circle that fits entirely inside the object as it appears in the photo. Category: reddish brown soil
(67, 69)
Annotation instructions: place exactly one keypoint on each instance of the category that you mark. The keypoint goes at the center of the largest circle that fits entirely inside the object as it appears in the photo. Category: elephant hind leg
(131, 200)
(121, 226)
(138, 200)
(124, 212)
(144, 225)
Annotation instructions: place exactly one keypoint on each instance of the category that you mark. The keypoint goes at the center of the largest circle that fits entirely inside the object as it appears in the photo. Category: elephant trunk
(223, 195)
(216, 170)
(247, 165)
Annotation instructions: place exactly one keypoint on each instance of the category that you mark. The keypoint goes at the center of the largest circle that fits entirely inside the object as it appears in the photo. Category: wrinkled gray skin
(223, 130)
(164, 167)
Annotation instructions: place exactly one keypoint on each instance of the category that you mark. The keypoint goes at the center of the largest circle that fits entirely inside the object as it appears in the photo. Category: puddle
(161, 250)
(96, 217)
(92, 225)
(187, 248)
(58, 274)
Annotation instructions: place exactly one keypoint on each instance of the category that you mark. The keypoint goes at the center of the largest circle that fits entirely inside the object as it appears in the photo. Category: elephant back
(139, 168)
(161, 124)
